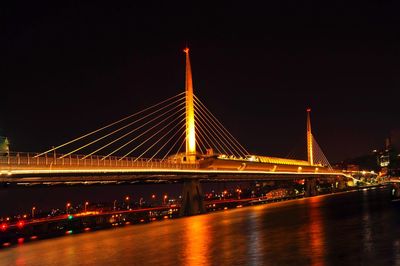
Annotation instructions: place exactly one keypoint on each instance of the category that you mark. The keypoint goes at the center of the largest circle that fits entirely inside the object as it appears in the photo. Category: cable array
(212, 133)
(155, 132)
(146, 133)
(159, 131)
(319, 156)
(300, 152)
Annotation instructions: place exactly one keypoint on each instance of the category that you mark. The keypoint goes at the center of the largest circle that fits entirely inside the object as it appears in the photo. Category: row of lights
(21, 224)
(69, 205)
(4, 226)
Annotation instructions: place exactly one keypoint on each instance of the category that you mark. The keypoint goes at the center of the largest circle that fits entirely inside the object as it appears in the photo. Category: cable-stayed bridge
(178, 139)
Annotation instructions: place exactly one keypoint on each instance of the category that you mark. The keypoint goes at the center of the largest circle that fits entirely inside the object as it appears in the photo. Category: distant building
(4, 146)
(385, 160)
(389, 157)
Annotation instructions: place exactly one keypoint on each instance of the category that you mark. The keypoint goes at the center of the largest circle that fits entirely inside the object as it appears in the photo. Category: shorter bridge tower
(310, 154)
(190, 129)
(310, 184)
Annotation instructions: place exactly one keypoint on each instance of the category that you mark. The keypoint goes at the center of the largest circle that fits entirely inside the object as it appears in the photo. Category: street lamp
(165, 198)
(67, 207)
(127, 202)
(238, 191)
(153, 199)
(86, 204)
(33, 212)
(140, 202)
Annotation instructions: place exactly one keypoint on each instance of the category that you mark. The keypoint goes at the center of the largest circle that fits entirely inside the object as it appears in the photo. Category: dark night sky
(67, 68)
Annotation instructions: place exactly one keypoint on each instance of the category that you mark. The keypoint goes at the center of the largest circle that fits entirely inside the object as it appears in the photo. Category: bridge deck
(25, 168)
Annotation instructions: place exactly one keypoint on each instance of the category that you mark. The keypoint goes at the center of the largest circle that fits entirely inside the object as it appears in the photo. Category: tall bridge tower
(192, 195)
(190, 129)
(310, 155)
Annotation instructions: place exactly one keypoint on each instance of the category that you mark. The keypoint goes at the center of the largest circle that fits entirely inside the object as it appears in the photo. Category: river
(360, 228)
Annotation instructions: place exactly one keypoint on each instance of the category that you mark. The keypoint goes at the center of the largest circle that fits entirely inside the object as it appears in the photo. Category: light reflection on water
(366, 226)
(316, 232)
(197, 238)
(351, 228)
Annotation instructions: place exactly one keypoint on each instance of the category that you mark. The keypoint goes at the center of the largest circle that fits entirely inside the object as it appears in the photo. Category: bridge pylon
(192, 196)
(190, 128)
(396, 190)
(310, 154)
(310, 187)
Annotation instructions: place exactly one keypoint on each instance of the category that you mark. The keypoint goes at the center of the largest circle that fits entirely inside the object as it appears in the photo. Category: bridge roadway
(23, 168)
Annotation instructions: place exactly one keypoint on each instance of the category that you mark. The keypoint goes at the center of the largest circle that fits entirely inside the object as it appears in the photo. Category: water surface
(360, 228)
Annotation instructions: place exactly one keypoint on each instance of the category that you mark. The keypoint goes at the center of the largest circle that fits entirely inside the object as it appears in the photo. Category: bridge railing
(32, 160)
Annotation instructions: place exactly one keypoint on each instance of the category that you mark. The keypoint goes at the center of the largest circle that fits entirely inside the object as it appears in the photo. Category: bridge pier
(310, 187)
(341, 184)
(396, 190)
(192, 198)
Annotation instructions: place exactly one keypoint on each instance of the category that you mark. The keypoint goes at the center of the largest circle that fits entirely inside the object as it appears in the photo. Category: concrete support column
(396, 190)
(341, 184)
(192, 198)
(310, 187)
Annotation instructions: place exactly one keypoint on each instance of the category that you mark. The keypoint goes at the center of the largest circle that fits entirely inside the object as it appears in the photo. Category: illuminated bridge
(177, 140)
